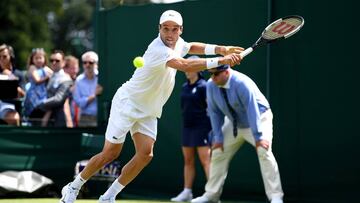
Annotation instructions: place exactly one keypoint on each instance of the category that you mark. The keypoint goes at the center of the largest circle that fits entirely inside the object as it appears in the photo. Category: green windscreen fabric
(314, 88)
(48, 151)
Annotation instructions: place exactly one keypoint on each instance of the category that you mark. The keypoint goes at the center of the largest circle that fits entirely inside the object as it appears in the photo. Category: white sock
(78, 182)
(187, 190)
(113, 190)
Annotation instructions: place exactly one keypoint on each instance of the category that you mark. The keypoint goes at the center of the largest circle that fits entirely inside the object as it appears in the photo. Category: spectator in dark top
(196, 127)
(7, 67)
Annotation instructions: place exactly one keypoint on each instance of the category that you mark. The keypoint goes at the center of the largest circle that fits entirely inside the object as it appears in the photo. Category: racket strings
(282, 28)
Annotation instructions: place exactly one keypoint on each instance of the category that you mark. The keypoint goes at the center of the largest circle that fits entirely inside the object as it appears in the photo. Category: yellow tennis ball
(138, 62)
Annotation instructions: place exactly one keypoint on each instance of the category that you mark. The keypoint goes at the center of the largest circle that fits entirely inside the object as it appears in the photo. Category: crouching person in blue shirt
(239, 111)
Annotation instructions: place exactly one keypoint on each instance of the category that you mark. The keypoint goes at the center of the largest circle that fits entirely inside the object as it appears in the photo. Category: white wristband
(212, 62)
(210, 49)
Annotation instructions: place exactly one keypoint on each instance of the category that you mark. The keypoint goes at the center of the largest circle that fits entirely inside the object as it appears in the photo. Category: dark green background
(309, 79)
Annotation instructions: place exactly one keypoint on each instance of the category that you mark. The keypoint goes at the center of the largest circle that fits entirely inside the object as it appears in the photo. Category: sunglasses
(216, 73)
(54, 60)
(88, 62)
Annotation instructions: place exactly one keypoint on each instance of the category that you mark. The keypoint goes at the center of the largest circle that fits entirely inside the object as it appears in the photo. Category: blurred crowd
(51, 91)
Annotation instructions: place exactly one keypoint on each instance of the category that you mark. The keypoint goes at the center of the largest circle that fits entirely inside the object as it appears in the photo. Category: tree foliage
(72, 31)
(52, 24)
(24, 25)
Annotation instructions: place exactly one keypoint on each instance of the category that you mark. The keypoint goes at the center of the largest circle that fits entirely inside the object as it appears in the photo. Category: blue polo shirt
(84, 88)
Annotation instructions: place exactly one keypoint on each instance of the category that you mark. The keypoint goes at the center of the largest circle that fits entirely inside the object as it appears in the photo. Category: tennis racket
(279, 29)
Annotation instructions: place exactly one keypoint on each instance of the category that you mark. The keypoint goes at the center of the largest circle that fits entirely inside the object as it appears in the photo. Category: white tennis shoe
(69, 194)
(106, 200)
(276, 200)
(204, 199)
(184, 196)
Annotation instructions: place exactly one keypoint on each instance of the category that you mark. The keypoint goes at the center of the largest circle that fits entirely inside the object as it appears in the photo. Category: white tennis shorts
(124, 117)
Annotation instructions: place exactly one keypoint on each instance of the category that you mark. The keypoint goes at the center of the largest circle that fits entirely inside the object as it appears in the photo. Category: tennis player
(138, 103)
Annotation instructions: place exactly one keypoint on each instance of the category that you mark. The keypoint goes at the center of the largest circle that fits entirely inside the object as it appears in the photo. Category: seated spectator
(38, 74)
(8, 114)
(87, 89)
(7, 67)
(58, 90)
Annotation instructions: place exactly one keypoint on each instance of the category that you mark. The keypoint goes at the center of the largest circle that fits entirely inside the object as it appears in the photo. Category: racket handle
(246, 52)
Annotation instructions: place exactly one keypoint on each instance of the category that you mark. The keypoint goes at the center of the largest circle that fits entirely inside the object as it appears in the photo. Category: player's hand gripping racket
(279, 29)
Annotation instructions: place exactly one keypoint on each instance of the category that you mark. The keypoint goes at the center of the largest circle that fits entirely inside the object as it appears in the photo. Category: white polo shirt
(151, 86)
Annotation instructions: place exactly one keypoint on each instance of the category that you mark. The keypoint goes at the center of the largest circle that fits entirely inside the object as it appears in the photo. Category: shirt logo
(193, 90)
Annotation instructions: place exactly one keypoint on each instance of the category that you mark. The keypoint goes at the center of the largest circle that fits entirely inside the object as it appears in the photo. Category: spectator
(195, 131)
(87, 89)
(8, 114)
(7, 66)
(38, 74)
(58, 90)
(72, 68)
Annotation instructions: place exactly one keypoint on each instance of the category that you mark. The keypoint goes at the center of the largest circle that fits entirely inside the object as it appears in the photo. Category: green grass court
(77, 201)
(57, 200)
(42, 200)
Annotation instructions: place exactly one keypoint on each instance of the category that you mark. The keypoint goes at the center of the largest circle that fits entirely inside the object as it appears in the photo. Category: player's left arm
(187, 65)
(199, 48)
(199, 64)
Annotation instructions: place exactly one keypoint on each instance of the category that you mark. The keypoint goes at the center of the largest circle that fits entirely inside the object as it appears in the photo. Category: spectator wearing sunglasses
(58, 90)
(87, 89)
(238, 112)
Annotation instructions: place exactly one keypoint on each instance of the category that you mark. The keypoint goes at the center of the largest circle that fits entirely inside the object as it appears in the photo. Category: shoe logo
(107, 199)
